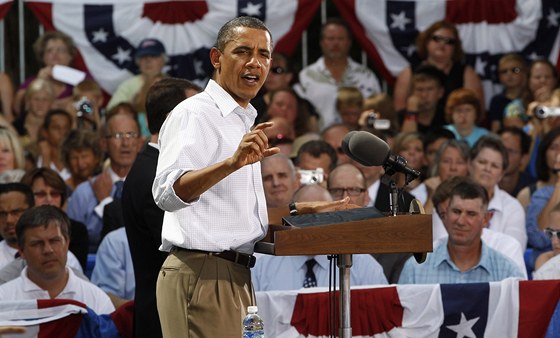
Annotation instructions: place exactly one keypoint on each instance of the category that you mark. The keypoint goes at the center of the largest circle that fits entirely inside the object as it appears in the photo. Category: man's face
(83, 163)
(279, 180)
(58, 130)
(513, 147)
(284, 104)
(123, 141)
(335, 42)
(334, 137)
(151, 65)
(12, 206)
(348, 181)
(309, 162)
(45, 249)
(464, 221)
(243, 65)
(428, 93)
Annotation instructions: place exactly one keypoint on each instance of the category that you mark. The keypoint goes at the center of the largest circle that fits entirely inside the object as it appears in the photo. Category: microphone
(369, 150)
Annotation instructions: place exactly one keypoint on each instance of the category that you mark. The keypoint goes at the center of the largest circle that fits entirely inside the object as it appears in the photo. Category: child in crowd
(512, 73)
(349, 105)
(463, 110)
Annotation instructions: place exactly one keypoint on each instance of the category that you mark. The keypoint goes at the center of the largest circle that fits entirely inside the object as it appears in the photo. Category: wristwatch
(293, 209)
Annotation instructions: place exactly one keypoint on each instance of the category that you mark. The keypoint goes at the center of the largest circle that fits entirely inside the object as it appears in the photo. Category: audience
(512, 73)
(319, 82)
(440, 45)
(15, 198)
(463, 257)
(423, 111)
(517, 144)
(113, 271)
(48, 188)
(150, 57)
(82, 155)
(317, 154)
(462, 110)
(121, 139)
(487, 163)
(280, 180)
(52, 48)
(6, 98)
(552, 231)
(333, 135)
(55, 129)
(42, 240)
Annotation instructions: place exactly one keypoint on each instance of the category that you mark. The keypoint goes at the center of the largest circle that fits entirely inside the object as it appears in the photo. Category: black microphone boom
(370, 150)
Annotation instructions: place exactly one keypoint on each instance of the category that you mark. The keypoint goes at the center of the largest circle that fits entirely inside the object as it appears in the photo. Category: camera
(311, 176)
(374, 122)
(542, 112)
(83, 107)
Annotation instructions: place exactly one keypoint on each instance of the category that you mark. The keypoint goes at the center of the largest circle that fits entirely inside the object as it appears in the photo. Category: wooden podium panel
(390, 234)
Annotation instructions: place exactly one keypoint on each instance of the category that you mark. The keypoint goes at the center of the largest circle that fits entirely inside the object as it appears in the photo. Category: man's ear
(215, 58)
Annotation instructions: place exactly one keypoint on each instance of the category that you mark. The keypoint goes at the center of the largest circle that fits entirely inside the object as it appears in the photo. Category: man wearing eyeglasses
(15, 198)
(552, 231)
(122, 142)
(348, 180)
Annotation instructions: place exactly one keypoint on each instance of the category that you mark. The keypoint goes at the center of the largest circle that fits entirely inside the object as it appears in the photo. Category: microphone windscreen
(368, 149)
(346, 141)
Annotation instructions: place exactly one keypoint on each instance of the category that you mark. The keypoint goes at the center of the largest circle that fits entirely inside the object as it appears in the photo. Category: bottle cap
(252, 309)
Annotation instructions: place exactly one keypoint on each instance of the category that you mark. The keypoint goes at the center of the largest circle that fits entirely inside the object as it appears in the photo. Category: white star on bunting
(464, 328)
(399, 21)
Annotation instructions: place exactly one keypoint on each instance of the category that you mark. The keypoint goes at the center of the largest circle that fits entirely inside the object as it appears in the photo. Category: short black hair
(226, 33)
(21, 188)
(317, 147)
(162, 97)
(43, 215)
(523, 137)
(425, 72)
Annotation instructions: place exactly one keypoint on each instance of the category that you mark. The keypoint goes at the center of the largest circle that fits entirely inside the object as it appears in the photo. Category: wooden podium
(391, 234)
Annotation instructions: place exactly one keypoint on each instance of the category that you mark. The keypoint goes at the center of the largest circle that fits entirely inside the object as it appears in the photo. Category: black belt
(240, 258)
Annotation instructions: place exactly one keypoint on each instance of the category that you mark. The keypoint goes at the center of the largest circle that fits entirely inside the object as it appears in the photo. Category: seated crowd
(76, 169)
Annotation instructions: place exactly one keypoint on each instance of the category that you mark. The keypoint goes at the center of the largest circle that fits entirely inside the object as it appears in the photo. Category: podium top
(390, 234)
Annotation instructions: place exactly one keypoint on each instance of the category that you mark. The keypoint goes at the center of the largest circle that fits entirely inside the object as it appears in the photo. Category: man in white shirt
(209, 183)
(15, 198)
(319, 82)
(43, 240)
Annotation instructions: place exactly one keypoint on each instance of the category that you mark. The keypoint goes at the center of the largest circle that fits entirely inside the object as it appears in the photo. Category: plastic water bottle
(253, 326)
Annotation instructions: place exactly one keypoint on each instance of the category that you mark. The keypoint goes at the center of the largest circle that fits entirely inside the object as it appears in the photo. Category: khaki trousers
(200, 295)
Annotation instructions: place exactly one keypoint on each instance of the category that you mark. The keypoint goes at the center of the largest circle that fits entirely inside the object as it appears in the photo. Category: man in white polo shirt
(43, 238)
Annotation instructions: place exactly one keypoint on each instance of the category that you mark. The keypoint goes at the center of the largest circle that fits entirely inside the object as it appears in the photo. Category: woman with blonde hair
(12, 159)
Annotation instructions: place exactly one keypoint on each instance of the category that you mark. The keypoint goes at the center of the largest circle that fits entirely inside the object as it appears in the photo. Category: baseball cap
(150, 47)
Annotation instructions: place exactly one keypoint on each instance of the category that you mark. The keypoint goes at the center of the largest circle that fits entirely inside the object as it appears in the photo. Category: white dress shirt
(203, 130)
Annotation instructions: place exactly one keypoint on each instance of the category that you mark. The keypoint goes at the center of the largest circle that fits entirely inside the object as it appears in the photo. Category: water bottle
(253, 326)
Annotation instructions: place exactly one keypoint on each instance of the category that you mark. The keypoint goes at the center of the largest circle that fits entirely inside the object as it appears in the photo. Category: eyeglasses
(514, 70)
(444, 39)
(551, 233)
(14, 213)
(43, 194)
(339, 192)
(120, 136)
(278, 70)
